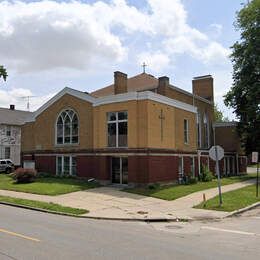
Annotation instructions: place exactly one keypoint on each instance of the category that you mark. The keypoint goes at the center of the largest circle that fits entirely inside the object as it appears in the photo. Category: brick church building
(138, 130)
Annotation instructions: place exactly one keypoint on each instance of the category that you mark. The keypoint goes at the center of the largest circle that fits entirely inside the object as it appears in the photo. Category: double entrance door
(120, 170)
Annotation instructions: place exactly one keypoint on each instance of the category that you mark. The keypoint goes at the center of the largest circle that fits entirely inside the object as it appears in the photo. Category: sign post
(255, 160)
(216, 153)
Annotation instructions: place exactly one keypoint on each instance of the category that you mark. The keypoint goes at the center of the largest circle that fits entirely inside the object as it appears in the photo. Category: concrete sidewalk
(112, 203)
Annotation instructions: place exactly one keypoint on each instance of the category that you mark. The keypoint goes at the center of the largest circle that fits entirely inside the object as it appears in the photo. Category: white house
(10, 133)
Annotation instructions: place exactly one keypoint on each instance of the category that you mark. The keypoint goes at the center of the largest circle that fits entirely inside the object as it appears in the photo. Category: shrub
(193, 180)
(206, 174)
(189, 179)
(43, 175)
(22, 175)
(153, 186)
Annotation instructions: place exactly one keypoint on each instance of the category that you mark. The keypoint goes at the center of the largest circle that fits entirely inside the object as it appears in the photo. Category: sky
(48, 45)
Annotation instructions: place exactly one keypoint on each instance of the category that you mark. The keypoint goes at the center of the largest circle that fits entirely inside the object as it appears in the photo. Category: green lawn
(232, 200)
(43, 205)
(46, 186)
(172, 192)
(253, 166)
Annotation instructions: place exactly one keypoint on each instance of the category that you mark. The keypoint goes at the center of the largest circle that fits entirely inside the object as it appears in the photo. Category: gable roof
(139, 82)
(133, 95)
(73, 92)
(13, 117)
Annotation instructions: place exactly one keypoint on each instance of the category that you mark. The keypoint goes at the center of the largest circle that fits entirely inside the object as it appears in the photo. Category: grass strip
(232, 200)
(175, 191)
(46, 186)
(43, 205)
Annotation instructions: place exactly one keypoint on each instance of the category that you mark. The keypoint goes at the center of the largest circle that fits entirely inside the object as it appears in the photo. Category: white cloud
(18, 96)
(222, 84)
(47, 35)
(156, 61)
(216, 29)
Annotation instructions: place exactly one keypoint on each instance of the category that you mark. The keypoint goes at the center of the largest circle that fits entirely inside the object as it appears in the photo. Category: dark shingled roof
(13, 117)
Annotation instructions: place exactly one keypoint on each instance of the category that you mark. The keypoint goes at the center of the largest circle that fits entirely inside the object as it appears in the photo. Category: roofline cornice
(129, 96)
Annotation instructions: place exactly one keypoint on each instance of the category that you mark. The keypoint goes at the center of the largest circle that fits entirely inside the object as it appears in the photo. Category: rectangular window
(8, 131)
(199, 130)
(117, 128)
(180, 168)
(7, 152)
(66, 165)
(73, 166)
(186, 131)
(59, 166)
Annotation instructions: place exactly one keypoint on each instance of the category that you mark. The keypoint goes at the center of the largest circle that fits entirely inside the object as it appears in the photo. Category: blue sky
(47, 45)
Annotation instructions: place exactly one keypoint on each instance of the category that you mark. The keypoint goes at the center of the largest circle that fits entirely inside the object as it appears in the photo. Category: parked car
(6, 165)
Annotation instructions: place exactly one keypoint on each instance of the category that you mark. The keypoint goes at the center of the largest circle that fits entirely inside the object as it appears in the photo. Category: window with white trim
(7, 152)
(66, 165)
(8, 131)
(67, 127)
(180, 166)
(186, 131)
(117, 127)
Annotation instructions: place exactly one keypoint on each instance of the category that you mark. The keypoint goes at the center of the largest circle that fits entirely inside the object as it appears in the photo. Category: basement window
(66, 165)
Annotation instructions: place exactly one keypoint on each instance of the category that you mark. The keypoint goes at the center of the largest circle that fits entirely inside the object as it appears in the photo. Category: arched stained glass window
(67, 127)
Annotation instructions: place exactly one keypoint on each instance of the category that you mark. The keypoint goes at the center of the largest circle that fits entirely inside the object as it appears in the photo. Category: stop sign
(216, 150)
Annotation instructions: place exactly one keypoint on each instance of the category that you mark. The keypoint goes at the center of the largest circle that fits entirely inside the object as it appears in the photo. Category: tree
(218, 115)
(3, 72)
(244, 95)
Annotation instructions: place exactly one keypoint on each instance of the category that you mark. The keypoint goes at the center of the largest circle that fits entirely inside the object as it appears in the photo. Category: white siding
(13, 141)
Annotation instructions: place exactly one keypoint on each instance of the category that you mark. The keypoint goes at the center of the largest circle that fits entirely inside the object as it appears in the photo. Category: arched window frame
(73, 138)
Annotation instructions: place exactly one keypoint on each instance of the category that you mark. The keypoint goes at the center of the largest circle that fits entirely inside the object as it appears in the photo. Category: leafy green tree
(244, 95)
(3, 72)
(219, 116)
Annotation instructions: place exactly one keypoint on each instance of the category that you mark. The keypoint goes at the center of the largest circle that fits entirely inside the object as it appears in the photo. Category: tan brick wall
(202, 107)
(144, 126)
(179, 130)
(27, 137)
(137, 123)
(154, 126)
(44, 126)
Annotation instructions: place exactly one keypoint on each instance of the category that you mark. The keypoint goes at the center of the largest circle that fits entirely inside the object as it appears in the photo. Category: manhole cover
(173, 227)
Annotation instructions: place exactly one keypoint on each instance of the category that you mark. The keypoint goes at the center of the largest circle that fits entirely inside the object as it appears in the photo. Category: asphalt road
(26, 234)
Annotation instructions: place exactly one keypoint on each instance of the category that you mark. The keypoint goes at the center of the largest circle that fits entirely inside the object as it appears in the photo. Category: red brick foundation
(141, 168)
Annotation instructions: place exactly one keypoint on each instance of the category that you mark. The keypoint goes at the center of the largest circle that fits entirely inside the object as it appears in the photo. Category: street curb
(38, 209)
(239, 211)
(98, 218)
